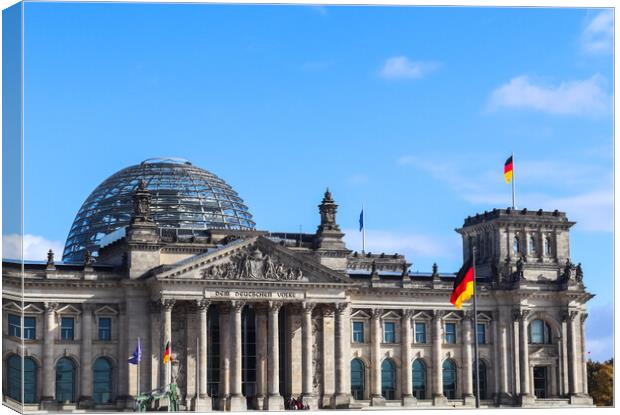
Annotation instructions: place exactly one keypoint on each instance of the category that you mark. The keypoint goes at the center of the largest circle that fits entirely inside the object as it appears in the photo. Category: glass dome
(183, 197)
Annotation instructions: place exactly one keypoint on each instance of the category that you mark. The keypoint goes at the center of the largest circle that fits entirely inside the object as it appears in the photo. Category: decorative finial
(141, 204)
(435, 268)
(88, 258)
(328, 209)
(50, 258)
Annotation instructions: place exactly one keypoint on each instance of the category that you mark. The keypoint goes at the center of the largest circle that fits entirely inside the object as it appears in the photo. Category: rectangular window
(14, 325)
(450, 333)
(66, 328)
(389, 333)
(30, 328)
(481, 333)
(358, 332)
(420, 332)
(105, 328)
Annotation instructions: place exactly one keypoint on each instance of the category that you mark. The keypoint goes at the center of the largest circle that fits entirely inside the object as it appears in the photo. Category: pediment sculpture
(255, 266)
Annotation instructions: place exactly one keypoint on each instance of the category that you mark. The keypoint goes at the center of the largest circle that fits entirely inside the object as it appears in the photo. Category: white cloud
(400, 67)
(591, 206)
(598, 35)
(412, 245)
(35, 247)
(585, 97)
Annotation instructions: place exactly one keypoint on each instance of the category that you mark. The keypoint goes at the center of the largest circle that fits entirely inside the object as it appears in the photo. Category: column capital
(376, 313)
(583, 317)
(88, 308)
(275, 306)
(203, 304)
(50, 307)
(408, 313)
(438, 314)
(237, 305)
(341, 308)
(167, 303)
(308, 306)
(327, 310)
(468, 315)
(520, 315)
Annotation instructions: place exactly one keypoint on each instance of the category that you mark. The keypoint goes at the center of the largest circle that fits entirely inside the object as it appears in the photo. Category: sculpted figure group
(255, 266)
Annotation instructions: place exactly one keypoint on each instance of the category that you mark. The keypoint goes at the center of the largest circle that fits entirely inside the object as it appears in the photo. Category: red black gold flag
(167, 353)
(463, 284)
(508, 170)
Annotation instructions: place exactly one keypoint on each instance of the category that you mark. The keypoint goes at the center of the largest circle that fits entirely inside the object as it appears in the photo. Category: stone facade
(254, 318)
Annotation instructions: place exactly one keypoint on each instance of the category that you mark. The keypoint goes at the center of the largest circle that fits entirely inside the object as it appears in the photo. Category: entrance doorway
(540, 381)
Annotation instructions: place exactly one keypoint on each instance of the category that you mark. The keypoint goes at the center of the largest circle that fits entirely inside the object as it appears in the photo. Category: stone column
(468, 358)
(166, 310)
(237, 400)
(584, 356)
(406, 355)
(574, 367)
(49, 374)
(495, 342)
(309, 398)
(503, 361)
(274, 400)
(375, 358)
(86, 357)
(342, 399)
(524, 358)
(438, 396)
(123, 370)
(225, 355)
(204, 400)
(328, 379)
(261, 356)
(564, 356)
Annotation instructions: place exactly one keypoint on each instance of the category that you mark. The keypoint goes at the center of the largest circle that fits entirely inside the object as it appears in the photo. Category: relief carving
(253, 266)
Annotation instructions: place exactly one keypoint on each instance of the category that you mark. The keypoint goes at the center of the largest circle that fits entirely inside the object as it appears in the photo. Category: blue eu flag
(137, 355)
(362, 220)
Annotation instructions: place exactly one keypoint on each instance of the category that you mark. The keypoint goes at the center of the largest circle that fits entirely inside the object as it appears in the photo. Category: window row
(66, 380)
(419, 379)
(532, 245)
(67, 327)
(420, 332)
(539, 332)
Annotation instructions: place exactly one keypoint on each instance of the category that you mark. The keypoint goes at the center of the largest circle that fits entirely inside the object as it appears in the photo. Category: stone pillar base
(440, 400)
(377, 400)
(326, 401)
(49, 404)
(222, 403)
(238, 403)
(409, 400)
(341, 401)
(580, 400)
(311, 400)
(503, 399)
(274, 403)
(202, 404)
(259, 402)
(527, 400)
(86, 402)
(469, 400)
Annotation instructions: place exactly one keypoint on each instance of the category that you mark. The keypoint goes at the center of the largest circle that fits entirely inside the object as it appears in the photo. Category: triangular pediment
(253, 259)
(391, 315)
(421, 316)
(15, 307)
(106, 310)
(360, 314)
(452, 316)
(483, 317)
(68, 309)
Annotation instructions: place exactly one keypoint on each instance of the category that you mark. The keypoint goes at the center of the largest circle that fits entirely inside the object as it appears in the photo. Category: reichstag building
(164, 251)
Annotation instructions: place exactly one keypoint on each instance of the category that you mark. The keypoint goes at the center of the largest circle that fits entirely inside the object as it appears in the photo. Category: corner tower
(518, 244)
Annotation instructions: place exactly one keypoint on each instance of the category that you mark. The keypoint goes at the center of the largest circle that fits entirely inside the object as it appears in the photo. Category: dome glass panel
(182, 197)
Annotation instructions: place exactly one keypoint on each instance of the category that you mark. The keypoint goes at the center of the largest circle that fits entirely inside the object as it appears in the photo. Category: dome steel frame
(183, 197)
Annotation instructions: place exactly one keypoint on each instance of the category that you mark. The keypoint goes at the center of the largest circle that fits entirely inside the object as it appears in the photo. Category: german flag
(463, 284)
(508, 170)
(167, 353)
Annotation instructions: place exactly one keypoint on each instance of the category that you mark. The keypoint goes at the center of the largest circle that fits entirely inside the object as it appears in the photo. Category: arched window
(102, 381)
(449, 379)
(388, 380)
(540, 332)
(14, 379)
(516, 245)
(419, 379)
(65, 380)
(357, 379)
(547, 246)
(532, 246)
(482, 369)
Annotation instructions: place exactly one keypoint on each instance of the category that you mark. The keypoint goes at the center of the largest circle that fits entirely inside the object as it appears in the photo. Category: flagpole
(139, 358)
(514, 206)
(363, 230)
(476, 334)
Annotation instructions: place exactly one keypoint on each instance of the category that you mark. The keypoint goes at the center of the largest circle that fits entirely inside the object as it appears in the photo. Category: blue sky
(411, 111)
